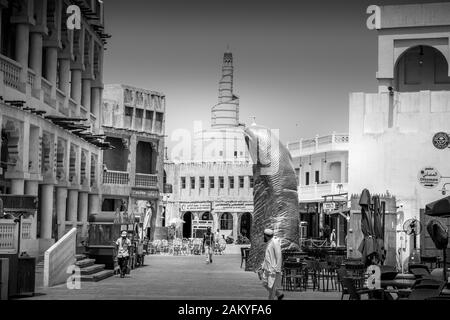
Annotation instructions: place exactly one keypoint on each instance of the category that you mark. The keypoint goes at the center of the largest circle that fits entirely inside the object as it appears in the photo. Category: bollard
(4, 278)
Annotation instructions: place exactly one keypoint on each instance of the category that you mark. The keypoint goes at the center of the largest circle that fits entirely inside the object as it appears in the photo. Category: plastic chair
(244, 255)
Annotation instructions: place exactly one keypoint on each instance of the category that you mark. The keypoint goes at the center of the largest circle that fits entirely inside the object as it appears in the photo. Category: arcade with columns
(51, 89)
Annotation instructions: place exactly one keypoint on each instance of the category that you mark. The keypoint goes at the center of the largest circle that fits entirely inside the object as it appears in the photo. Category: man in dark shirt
(208, 244)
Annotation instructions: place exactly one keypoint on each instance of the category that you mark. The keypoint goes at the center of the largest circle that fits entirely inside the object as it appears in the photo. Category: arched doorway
(187, 225)
(246, 223)
(421, 68)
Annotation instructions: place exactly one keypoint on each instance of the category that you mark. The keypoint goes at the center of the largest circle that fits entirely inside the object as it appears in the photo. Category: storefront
(234, 218)
(310, 215)
(194, 211)
(145, 206)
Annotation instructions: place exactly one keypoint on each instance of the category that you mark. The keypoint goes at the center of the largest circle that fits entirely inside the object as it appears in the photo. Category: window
(220, 153)
(149, 115)
(128, 111)
(317, 177)
(183, 182)
(192, 182)
(221, 182)
(250, 178)
(235, 154)
(307, 179)
(211, 182)
(226, 221)
(242, 153)
(139, 113)
(231, 182)
(202, 182)
(241, 182)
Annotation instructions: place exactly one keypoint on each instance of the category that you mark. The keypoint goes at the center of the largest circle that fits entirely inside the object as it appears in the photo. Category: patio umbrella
(378, 227)
(368, 245)
(441, 209)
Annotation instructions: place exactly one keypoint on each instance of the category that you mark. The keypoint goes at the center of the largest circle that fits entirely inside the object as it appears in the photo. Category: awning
(440, 208)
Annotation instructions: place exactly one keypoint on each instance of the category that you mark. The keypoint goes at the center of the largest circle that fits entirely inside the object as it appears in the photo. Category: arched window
(226, 221)
(207, 216)
(421, 68)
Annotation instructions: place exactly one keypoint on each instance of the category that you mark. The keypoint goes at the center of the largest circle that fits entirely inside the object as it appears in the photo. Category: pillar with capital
(83, 198)
(72, 210)
(61, 207)
(235, 225)
(46, 210)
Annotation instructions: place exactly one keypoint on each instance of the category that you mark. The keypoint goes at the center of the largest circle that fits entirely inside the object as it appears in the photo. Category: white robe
(271, 266)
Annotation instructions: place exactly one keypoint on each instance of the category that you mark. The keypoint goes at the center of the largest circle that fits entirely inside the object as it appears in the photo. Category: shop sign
(429, 177)
(329, 206)
(136, 193)
(234, 206)
(195, 206)
(441, 140)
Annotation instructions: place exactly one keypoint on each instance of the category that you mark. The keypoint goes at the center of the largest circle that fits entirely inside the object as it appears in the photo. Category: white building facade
(391, 132)
(321, 165)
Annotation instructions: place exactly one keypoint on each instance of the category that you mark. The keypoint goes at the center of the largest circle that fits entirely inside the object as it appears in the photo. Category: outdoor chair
(327, 272)
(355, 293)
(341, 274)
(293, 276)
(419, 270)
(311, 272)
(426, 288)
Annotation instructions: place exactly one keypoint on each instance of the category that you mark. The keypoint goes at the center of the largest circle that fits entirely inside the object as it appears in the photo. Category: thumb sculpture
(274, 193)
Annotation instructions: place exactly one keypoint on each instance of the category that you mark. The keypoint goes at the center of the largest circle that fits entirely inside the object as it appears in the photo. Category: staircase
(91, 272)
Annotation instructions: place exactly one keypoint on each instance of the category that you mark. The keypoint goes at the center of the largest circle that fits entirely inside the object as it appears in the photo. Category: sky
(295, 61)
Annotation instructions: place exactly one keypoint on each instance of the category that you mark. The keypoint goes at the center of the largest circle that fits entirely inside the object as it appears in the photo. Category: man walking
(122, 247)
(270, 271)
(208, 243)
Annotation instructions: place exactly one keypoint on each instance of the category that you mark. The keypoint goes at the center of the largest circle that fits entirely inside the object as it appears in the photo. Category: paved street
(185, 277)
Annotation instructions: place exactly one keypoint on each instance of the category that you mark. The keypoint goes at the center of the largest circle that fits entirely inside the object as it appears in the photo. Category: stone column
(235, 225)
(22, 49)
(94, 204)
(72, 210)
(75, 92)
(64, 76)
(96, 99)
(46, 206)
(51, 71)
(83, 211)
(17, 186)
(31, 187)
(216, 224)
(61, 206)
(86, 94)
(36, 41)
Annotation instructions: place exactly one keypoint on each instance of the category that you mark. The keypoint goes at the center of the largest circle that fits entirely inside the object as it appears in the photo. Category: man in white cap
(122, 247)
(270, 272)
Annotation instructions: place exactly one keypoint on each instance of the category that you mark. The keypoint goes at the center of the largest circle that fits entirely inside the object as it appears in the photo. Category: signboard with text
(329, 206)
(429, 177)
(137, 193)
(195, 206)
(233, 206)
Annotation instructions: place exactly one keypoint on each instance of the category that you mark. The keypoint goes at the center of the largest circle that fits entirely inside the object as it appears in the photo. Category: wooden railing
(116, 177)
(146, 180)
(31, 78)
(59, 258)
(8, 236)
(11, 71)
(47, 88)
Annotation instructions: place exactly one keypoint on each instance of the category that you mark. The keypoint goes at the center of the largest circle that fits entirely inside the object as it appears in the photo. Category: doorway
(187, 225)
(246, 223)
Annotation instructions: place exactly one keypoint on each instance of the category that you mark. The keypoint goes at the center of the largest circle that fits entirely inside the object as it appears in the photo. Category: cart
(104, 230)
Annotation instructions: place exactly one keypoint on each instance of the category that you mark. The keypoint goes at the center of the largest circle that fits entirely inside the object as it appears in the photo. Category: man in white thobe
(270, 272)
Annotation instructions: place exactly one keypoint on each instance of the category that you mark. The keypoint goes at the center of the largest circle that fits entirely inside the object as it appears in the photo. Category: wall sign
(329, 206)
(441, 140)
(233, 206)
(144, 193)
(429, 177)
(374, 20)
(195, 206)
